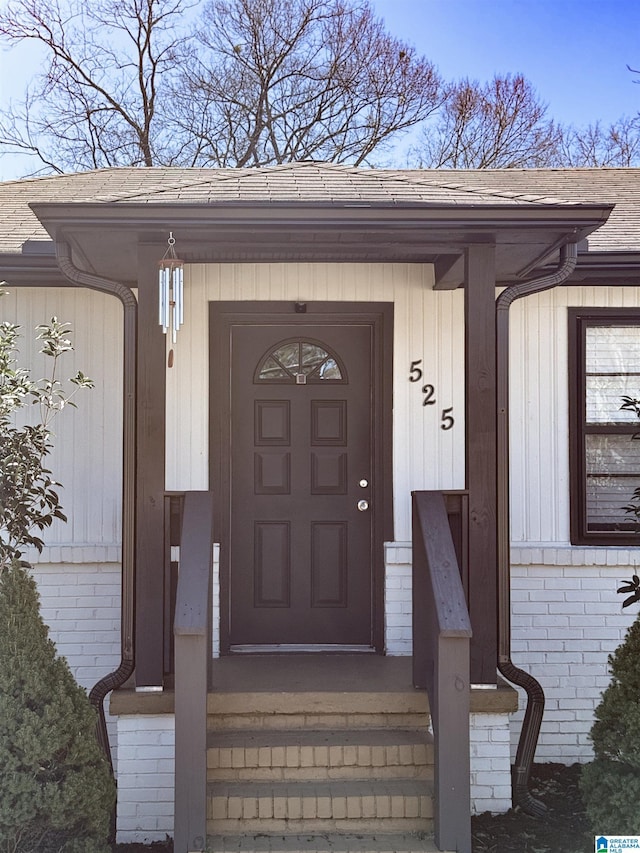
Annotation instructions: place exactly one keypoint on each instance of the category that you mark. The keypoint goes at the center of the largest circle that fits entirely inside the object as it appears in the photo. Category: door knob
(363, 505)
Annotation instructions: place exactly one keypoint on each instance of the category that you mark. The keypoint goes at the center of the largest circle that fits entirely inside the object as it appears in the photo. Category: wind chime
(171, 293)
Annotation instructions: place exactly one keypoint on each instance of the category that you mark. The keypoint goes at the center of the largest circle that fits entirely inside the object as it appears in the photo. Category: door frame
(379, 316)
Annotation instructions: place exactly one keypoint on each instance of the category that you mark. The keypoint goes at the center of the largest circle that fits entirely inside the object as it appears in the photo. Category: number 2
(429, 399)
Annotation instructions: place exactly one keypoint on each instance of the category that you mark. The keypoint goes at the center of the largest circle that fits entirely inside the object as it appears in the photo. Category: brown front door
(300, 464)
(300, 477)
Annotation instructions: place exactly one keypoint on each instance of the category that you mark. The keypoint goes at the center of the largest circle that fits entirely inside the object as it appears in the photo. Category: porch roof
(318, 212)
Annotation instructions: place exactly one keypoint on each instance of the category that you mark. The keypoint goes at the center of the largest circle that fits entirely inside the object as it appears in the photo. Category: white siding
(87, 454)
(428, 326)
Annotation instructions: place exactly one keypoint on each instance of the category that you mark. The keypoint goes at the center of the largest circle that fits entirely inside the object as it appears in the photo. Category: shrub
(56, 789)
(610, 785)
(29, 500)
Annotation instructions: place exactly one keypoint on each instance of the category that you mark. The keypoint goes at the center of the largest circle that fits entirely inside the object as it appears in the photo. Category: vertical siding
(428, 326)
(87, 454)
(539, 385)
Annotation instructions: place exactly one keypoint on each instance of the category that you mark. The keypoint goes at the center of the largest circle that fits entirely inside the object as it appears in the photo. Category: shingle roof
(330, 183)
(620, 187)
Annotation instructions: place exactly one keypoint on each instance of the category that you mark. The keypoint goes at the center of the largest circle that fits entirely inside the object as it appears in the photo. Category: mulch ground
(563, 829)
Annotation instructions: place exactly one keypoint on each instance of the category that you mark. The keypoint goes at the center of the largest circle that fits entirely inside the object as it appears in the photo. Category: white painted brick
(146, 777)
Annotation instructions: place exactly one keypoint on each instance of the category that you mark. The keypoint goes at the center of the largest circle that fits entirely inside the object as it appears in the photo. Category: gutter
(117, 678)
(535, 694)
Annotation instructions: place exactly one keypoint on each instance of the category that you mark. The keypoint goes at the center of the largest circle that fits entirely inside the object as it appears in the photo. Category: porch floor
(304, 673)
(288, 675)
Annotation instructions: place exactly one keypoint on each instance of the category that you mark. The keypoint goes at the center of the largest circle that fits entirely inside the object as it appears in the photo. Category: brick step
(390, 805)
(318, 710)
(280, 721)
(325, 843)
(297, 755)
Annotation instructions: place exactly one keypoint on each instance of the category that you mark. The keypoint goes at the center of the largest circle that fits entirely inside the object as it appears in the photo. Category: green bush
(610, 785)
(56, 788)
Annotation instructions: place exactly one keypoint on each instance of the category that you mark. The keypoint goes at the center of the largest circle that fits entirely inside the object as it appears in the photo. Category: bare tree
(501, 124)
(254, 82)
(107, 66)
(595, 146)
(282, 80)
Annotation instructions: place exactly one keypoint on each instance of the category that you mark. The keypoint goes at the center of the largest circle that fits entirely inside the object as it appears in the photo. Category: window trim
(579, 320)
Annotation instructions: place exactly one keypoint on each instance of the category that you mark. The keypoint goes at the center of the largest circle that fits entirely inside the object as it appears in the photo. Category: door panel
(300, 551)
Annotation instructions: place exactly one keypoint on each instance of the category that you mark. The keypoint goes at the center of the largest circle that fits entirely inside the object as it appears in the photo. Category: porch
(322, 746)
(343, 744)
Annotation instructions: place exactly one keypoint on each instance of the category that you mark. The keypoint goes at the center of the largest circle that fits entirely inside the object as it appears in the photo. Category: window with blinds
(605, 452)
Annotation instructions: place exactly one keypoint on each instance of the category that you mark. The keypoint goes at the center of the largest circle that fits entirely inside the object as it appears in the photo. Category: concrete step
(314, 755)
(318, 710)
(325, 843)
(344, 806)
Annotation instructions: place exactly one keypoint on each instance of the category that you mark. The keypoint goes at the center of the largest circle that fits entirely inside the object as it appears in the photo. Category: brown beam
(448, 271)
(150, 476)
(481, 458)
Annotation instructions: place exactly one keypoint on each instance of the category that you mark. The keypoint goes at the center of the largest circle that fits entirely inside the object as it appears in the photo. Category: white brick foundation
(397, 591)
(81, 605)
(145, 777)
(489, 737)
(566, 620)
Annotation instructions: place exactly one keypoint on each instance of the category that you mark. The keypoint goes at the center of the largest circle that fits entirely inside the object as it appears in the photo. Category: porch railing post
(192, 629)
(441, 632)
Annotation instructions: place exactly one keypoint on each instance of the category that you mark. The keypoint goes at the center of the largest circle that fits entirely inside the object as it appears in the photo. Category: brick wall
(81, 605)
(145, 777)
(566, 620)
(489, 746)
(398, 618)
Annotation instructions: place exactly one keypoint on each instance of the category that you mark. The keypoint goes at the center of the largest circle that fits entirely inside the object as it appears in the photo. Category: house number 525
(429, 395)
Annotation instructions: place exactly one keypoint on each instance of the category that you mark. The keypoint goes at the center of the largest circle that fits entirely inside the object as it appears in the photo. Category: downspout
(535, 694)
(130, 327)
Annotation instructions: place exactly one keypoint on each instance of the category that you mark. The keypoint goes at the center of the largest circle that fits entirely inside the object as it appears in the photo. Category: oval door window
(300, 361)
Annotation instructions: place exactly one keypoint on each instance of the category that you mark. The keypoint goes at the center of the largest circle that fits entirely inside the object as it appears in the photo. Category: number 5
(415, 374)
(447, 418)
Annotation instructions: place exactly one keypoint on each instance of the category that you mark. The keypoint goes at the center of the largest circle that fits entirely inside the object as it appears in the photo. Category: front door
(299, 561)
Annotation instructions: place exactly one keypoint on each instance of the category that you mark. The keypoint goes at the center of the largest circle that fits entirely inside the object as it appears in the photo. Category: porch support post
(151, 475)
(481, 458)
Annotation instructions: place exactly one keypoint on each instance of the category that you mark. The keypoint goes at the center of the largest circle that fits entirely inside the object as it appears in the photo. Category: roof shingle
(311, 182)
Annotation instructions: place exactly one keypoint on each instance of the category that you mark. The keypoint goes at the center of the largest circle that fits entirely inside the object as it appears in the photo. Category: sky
(574, 52)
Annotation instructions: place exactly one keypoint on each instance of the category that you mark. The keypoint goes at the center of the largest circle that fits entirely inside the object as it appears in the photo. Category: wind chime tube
(175, 279)
(167, 299)
(160, 295)
(181, 288)
(174, 306)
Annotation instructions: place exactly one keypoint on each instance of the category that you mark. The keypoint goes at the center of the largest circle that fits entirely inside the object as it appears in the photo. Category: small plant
(610, 785)
(631, 404)
(56, 789)
(29, 500)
